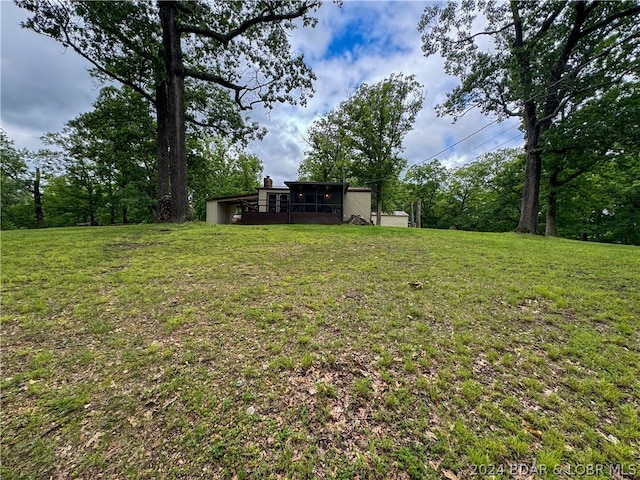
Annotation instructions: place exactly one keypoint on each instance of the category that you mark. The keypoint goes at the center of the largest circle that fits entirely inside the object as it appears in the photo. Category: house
(297, 202)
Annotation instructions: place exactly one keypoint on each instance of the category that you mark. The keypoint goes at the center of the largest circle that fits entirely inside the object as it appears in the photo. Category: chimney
(268, 182)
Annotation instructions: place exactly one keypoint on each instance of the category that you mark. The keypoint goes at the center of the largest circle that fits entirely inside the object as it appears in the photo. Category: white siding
(392, 220)
(219, 213)
(263, 196)
(357, 203)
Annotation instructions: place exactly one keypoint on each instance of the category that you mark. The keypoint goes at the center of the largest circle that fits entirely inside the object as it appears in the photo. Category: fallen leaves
(532, 430)
(450, 475)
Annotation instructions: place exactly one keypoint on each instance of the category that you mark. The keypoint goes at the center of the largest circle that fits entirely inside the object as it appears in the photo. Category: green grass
(195, 351)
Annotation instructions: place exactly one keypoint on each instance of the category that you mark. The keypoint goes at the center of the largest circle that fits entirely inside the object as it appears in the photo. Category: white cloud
(389, 23)
(43, 87)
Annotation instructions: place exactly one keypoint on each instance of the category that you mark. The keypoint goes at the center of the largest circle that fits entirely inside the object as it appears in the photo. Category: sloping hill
(317, 352)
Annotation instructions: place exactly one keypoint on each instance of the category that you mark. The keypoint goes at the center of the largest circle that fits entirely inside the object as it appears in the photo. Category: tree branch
(619, 15)
(207, 77)
(546, 25)
(67, 41)
(488, 32)
(247, 24)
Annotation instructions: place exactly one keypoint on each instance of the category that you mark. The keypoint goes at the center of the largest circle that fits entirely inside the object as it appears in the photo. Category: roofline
(230, 197)
(321, 184)
(287, 189)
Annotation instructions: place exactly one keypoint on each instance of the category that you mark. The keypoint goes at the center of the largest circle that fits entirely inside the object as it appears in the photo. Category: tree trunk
(413, 223)
(533, 169)
(37, 199)
(552, 206)
(175, 111)
(92, 205)
(164, 187)
(378, 205)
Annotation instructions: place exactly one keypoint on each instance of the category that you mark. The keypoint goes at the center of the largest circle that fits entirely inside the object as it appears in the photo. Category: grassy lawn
(196, 351)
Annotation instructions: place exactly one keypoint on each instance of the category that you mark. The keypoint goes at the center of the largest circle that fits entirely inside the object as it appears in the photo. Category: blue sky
(43, 86)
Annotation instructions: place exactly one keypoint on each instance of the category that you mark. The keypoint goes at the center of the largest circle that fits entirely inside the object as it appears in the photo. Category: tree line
(590, 179)
(567, 70)
(485, 195)
(101, 169)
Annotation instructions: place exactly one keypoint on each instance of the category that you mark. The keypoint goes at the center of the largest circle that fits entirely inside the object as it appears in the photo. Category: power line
(533, 97)
(497, 146)
(492, 138)
(457, 143)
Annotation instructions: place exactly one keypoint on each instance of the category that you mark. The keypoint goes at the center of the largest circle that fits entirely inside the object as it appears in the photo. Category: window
(277, 202)
(284, 202)
(271, 203)
(316, 198)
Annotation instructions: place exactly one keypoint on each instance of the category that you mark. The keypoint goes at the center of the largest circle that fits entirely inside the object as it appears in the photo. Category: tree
(109, 153)
(329, 156)
(600, 130)
(13, 187)
(234, 55)
(425, 181)
(377, 117)
(218, 168)
(542, 58)
(603, 204)
(483, 195)
(18, 181)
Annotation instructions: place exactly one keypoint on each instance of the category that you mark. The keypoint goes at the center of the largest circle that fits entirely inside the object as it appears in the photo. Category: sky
(43, 86)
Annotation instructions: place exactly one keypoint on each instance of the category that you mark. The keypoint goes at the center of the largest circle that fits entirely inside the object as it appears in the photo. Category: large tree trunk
(533, 170)
(37, 199)
(411, 216)
(552, 206)
(164, 187)
(175, 111)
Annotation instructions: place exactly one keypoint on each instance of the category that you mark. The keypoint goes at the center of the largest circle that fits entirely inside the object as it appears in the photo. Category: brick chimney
(268, 182)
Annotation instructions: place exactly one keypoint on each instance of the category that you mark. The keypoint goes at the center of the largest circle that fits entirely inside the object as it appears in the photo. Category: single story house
(297, 202)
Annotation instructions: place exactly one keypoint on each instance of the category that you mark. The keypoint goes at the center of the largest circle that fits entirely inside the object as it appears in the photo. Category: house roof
(244, 196)
(397, 213)
(329, 184)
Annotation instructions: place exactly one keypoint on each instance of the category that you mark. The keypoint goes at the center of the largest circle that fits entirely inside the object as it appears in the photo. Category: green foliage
(361, 140)
(329, 158)
(15, 197)
(217, 169)
(109, 159)
(541, 60)
(425, 182)
(603, 204)
(483, 195)
(21, 177)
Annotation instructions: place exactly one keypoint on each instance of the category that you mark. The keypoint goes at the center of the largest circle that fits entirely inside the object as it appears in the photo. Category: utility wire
(492, 138)
(457, 143)
(533, 97)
